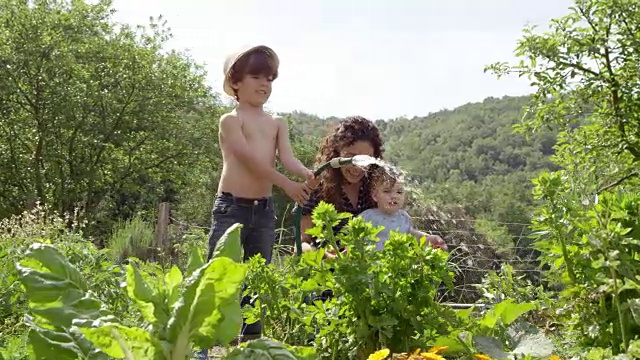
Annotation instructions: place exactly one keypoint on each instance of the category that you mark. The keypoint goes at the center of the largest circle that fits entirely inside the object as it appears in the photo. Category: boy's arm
(285, 152)
(236, 142)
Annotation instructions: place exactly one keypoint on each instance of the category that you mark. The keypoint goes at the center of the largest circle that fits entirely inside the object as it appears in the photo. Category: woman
(347, 187)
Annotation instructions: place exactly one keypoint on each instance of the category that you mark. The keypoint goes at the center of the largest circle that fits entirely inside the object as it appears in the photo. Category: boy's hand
(310, 179)
(437, 242)
(298, 192)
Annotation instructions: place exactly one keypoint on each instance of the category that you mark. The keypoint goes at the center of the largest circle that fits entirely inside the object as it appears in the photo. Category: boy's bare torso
(261, 133)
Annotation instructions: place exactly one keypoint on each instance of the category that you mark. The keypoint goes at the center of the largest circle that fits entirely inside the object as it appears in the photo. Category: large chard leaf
(151, 303)
(529, 340)
(56, 289)
(208, 311)
(229, 244)
(68, 321)
(490, 346)
(119, 341)
(505, 313)
(73, 324)
(172, 281)
(65, 345)
(195, 262)
(58, 299)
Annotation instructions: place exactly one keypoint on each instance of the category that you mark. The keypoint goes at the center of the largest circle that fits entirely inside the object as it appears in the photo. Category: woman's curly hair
(347, 132)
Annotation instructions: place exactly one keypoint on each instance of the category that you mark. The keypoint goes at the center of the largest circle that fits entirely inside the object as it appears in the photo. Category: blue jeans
(257, 236)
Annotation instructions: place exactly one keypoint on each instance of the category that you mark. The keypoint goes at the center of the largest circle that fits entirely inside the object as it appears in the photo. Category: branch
(579, 67)
(152, 166)
(587, 17)
(115, 127)
(610, 24)
(24, 95)
(618, 182)
(137, 145)
(630, 35)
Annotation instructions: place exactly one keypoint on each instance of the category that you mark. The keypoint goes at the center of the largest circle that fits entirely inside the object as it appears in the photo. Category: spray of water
(365, 160)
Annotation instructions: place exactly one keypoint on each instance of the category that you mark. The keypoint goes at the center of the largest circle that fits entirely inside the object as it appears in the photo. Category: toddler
(387, 190)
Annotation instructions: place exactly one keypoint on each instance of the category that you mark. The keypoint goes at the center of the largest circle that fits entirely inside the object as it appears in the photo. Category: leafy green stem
(127, 353)
(332, 240)
(616, 301)
(565, 253)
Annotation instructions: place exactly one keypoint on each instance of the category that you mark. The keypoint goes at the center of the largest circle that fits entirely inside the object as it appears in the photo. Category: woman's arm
(306, 223)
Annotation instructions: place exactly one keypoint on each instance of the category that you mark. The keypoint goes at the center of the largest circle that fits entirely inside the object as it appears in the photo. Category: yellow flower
(379, 355)
(481, 357)
(555, 357)
(438, 349)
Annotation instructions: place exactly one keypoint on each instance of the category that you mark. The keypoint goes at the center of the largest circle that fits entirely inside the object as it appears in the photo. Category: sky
(380, 59)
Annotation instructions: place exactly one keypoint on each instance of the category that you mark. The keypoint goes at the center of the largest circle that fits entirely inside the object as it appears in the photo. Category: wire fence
(472, 253)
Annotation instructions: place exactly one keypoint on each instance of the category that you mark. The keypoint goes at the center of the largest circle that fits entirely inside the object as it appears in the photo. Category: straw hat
(234, 57)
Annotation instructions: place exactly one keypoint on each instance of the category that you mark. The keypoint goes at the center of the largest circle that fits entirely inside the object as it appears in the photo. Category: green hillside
(467, 156)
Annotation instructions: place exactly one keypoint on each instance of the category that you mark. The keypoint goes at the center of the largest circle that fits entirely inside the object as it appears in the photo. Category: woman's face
(353, 174)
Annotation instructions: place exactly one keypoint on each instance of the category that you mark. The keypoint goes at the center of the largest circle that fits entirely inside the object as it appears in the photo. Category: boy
(387, 191)
(250, 140)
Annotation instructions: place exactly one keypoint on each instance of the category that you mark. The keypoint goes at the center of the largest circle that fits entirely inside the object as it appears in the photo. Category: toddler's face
(390, 198)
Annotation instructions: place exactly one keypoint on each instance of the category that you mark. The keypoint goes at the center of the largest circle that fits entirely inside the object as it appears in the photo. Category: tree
(586, 71)
(94, 113)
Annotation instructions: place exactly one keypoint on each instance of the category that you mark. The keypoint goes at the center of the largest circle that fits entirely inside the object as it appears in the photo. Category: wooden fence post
(161, 227)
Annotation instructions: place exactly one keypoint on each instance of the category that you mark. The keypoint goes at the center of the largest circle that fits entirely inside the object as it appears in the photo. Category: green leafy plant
(591, 250)
(280, 293)
(380, 298)
(42, 224)
(585, 69)
(131, 238)
(179, 313)
(497, 332)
